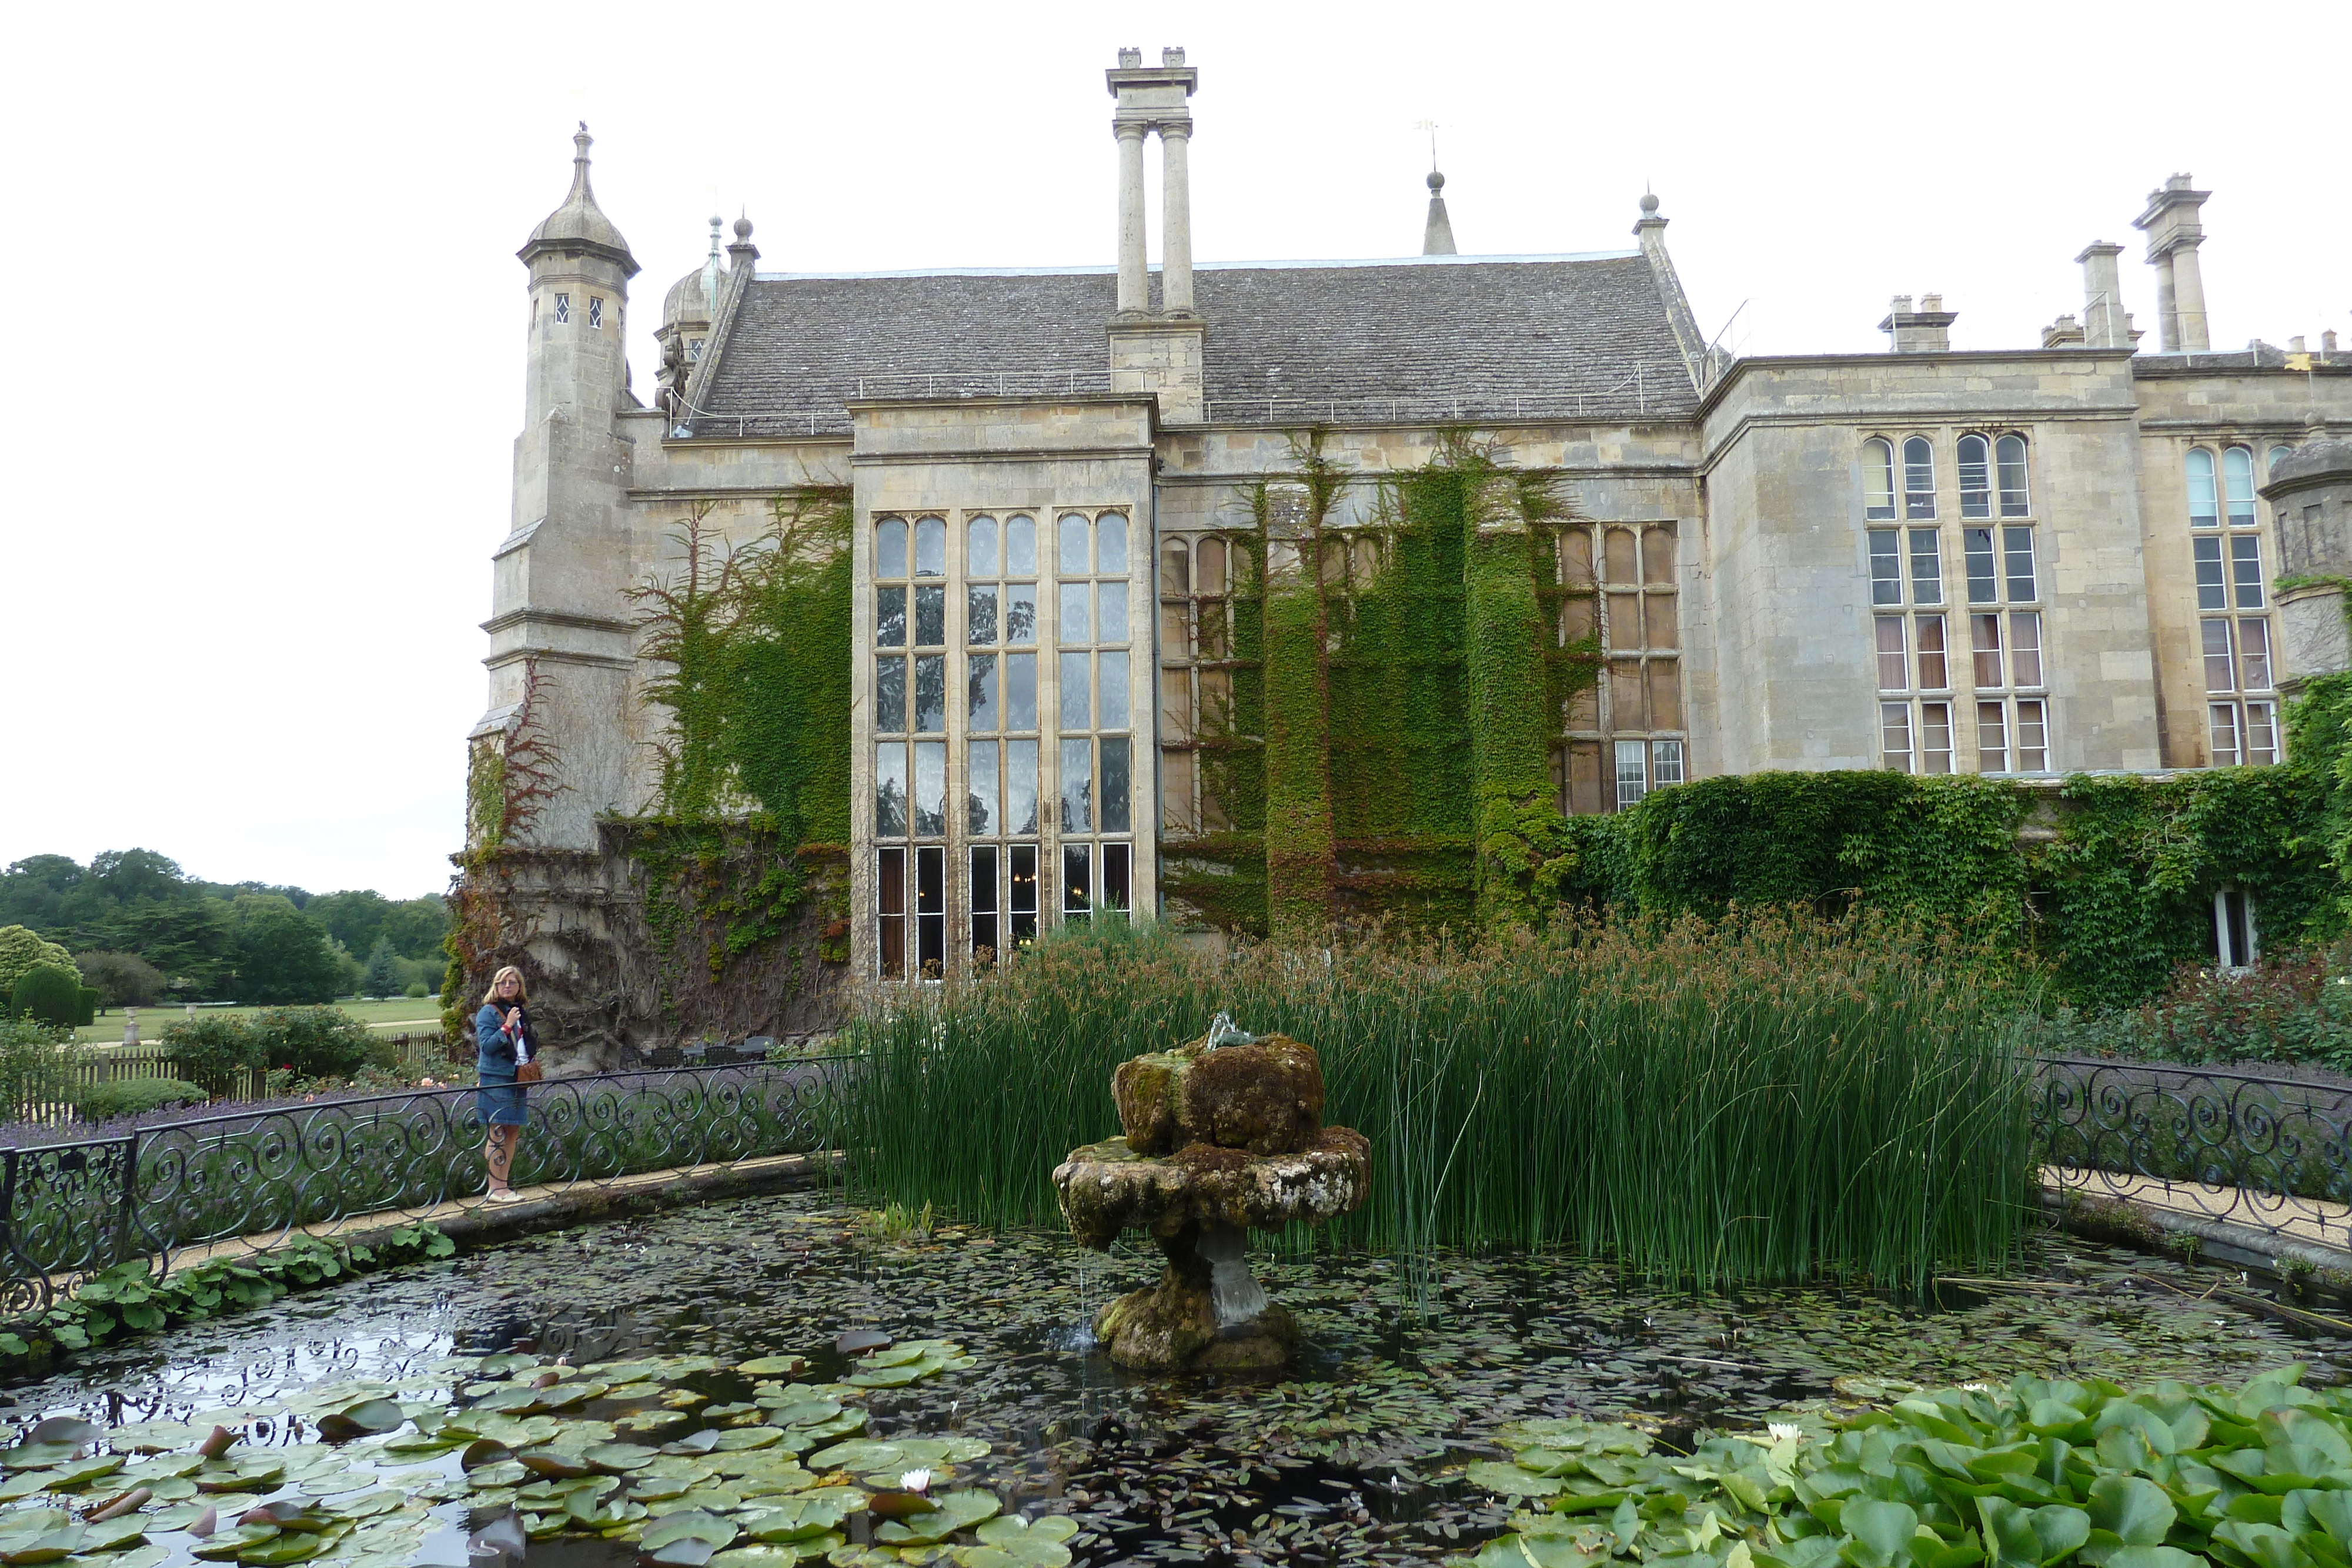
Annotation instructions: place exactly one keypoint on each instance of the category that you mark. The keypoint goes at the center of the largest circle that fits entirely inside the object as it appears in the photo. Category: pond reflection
(1357, 1453)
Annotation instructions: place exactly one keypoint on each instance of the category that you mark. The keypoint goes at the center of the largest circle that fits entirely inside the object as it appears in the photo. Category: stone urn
(1223, 1135)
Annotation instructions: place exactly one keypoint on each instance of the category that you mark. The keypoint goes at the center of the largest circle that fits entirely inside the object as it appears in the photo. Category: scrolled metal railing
(2269, 1152)
(68, 1210)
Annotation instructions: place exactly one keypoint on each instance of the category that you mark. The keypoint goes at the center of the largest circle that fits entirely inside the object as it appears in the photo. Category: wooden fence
(86, 1067)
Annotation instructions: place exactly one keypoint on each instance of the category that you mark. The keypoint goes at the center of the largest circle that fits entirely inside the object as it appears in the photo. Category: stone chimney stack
(1926, 330)
(2106, 323)
(1154, 99)
(2063, 333)
(2173, 235)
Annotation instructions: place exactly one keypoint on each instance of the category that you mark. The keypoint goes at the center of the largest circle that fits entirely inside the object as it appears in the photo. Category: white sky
(266, 324)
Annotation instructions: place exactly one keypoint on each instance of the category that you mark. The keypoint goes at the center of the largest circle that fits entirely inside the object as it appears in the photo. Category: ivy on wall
(510, 778)
(752, 645)
(1397, 684)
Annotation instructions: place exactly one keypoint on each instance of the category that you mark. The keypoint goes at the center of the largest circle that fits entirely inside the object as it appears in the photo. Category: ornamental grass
(1770, 1097)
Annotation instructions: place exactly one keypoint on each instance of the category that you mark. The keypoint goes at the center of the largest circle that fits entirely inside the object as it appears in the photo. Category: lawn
(400, 1015)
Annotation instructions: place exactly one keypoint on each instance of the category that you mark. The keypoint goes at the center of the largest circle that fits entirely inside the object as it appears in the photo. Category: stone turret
(553, 610)
(2309, 492)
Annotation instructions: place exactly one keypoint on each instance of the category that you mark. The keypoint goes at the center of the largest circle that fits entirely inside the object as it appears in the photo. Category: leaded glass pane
(1020, 786)
(979, 692)
(1110, 545)
(1020, 691)
(1113, 703)
(1110, 613)
(1115, 784)
(932, 692)
(890, 617)
(1071, 556)
(1021, 547)
(930, 788)
(1077, 786)
(979, 548)
(1077, 692)
(889, 695)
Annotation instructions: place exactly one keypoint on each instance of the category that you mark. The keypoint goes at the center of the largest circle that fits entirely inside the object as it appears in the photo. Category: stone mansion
(2053, 558)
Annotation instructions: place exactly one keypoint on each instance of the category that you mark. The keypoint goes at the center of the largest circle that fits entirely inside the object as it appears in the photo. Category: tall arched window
(1919, 479)
(2238, 486)
(2015, 499)
(1975, 477)
(2276, 453)
(2204, 504)
(1878, 480)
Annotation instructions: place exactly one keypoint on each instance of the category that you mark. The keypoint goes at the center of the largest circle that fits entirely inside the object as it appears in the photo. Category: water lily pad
(228, 1544)
(862, 1341)
(619, 1457)
(503, 1473)
(53, 1546)
(890, 1376)
(773, 1367)
(1511, 1480)
(956, 1511)
(1011, 1529)
(860, 1456)
(567, 1395)
(941, 1450)
(367, 1418)
(36, 1456)
(70, 1430)
(688, 1524)
(796, 1518)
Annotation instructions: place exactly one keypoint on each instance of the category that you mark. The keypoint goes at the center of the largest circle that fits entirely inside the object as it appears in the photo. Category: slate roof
(1436, 338)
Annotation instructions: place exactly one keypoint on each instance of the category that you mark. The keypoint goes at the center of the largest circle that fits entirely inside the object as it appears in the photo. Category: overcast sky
(266, 324)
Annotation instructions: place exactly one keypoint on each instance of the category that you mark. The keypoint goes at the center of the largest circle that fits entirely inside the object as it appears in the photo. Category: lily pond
(788, 1378)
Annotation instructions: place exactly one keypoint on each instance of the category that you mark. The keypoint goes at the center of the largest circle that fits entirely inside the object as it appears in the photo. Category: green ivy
(756, 645)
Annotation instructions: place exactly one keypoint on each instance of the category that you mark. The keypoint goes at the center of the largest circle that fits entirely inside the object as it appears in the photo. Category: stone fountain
(1223, 1135)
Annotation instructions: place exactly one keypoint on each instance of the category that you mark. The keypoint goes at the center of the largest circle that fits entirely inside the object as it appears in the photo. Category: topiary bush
(47, 993)
(22, 949)
(317, 1042)
(135, 1097)
(212, 1050)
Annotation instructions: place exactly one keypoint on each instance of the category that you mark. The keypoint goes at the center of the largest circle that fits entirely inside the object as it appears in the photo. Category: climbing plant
(752, 648)
(510, 778)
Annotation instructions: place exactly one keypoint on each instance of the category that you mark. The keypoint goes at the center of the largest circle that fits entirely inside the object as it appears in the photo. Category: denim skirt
(500, 1099)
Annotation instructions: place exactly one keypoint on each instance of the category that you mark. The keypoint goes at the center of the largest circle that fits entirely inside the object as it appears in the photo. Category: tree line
(142, 931)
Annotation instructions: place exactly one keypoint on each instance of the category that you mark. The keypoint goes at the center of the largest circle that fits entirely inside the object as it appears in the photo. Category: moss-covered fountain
(1221, 1136)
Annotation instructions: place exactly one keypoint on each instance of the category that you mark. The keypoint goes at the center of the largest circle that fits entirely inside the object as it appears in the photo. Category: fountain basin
(1109, 1186)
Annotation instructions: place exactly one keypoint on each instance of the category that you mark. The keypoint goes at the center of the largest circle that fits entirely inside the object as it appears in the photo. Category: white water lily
(916, 1482)
(1783, 1432)
(1975, 1387)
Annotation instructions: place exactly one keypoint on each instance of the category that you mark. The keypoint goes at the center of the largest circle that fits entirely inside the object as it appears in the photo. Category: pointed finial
(716, 223)
(1649, 204)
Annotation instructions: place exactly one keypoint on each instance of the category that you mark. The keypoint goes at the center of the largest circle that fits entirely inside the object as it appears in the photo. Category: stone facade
(2034, 560)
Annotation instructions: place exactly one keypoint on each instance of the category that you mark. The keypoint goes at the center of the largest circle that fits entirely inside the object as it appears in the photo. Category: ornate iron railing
(71, 1209)
(2270, 1153)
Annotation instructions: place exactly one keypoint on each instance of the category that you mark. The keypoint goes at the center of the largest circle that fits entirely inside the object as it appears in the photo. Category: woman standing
(504, 1042)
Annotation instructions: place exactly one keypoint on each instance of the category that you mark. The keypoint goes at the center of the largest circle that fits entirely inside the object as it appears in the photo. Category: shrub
(134, 1097)
(123, 979)
(416, 991)
(22, 949)
(32, 1064)
(317, 1042)
(212, 1049)
(2288, 1010)
(49, 994)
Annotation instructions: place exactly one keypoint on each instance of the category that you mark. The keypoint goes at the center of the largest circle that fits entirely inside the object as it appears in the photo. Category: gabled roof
(1421, 338)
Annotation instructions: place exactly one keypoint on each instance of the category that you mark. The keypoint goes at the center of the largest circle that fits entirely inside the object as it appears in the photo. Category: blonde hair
(490, 996)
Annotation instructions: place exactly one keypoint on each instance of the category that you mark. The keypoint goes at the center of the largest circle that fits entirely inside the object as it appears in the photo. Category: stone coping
(543, 1207)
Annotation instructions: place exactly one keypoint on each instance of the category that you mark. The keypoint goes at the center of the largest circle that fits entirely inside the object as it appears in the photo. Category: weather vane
(1429, 126)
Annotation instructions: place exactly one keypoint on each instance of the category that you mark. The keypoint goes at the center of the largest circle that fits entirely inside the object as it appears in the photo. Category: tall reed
(1773, 1097)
